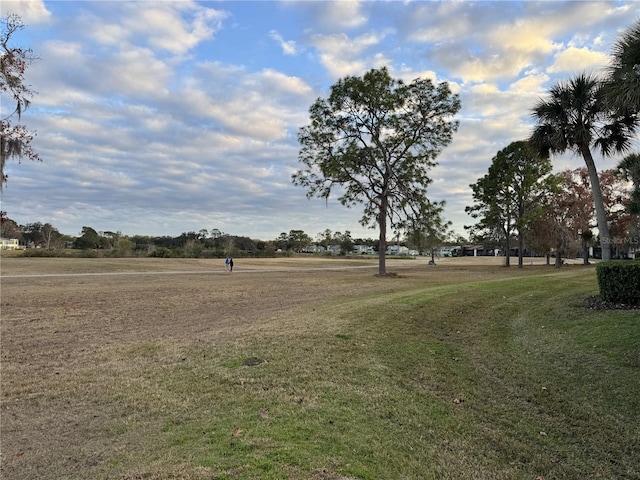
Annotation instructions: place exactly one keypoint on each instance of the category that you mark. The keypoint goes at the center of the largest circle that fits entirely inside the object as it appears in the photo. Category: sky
(163, 117)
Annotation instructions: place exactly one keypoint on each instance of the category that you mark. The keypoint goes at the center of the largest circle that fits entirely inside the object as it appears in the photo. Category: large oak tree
(374, 140)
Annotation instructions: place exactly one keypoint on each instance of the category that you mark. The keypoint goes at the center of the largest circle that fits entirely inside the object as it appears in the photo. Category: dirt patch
(595, 302)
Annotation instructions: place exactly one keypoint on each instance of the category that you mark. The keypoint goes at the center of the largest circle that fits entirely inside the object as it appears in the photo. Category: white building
(9, 244)
(363, 250)
(397, 250)
(314, 249)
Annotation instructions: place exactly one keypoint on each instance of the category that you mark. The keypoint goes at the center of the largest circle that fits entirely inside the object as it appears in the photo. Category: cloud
(575, 59)
(343, 56)
(32, 12)
(343, 14)
(173, 27)
(332, 15)
(477, 43)
(288, 47)
(260, 105)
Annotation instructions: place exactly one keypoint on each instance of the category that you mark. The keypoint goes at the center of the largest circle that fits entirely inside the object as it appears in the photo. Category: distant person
(226, 263)
(231, 264)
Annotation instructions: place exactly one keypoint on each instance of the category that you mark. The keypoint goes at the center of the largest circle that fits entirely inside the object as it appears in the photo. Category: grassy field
(313, 369)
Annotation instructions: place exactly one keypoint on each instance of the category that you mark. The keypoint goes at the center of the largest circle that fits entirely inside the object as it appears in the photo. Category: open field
(313, 368)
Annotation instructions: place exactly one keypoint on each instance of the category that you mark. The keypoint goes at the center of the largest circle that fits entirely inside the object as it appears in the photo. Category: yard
(313, 369)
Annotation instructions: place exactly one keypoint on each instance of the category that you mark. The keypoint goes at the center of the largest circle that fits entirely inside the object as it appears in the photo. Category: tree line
(520, 202)
(47, 240)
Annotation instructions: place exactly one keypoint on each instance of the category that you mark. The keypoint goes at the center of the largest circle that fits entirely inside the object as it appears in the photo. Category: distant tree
(549, 235)
(109, 239)
(344, 240)
(570, 215)
(228, 243)
(202, 234)
(216, 236)
(458, 239)
(324, 238)
(184, 237)
(123, 247)
(15, 139)
(509, 197)
(375, 139)
(193, 248)
(88, 239)
(9, 228)
(623, 225)
(51, 237)
(282, 241)
(244, 243)
(566, 214)
(32, 233)
(576, 117)
(428, 233)
(297, 240)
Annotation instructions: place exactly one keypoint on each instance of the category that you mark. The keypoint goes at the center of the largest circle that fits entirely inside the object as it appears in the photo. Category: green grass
(502, 379)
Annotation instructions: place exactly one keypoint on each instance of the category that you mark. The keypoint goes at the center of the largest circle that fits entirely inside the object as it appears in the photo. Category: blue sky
(162, 117)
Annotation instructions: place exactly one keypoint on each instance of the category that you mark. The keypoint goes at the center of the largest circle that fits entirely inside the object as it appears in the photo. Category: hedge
(619, 281)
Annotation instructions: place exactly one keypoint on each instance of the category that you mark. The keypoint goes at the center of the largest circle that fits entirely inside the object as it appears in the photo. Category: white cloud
(532, 84)
(174, 27)
(343, 56)
(259, 105)
(575, 59)
(32, 12)
(288, 47)
(343, 14)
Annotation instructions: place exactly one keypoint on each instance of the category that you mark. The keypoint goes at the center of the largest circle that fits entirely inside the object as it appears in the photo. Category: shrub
(619, 281)
(50, 253)
(164, 252)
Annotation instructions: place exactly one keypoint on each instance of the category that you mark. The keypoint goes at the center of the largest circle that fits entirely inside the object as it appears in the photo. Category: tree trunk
(558, 263)
(382, 243)
(601, 214)
(520, 248)
(507, 248)
(585, 253)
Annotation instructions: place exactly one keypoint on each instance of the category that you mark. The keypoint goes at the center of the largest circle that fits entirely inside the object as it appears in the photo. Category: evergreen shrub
(619, 281)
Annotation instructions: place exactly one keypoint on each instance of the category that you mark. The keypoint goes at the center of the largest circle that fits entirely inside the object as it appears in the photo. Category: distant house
(449, 251)
(397, 250)
(475, 251)
(313, 249)
(9, 244)
(363, 250)
(334, 249)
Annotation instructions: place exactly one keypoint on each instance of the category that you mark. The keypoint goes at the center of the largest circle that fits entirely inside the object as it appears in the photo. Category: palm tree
(576, 117)
(629, 169)
(623, 85)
